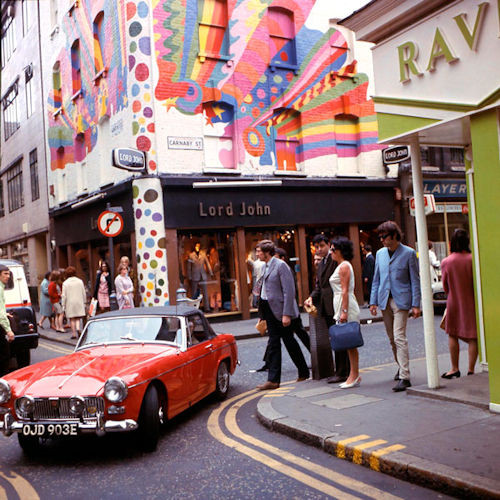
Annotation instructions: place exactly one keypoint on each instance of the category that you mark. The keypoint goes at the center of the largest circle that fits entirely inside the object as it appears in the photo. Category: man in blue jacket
(396, 290)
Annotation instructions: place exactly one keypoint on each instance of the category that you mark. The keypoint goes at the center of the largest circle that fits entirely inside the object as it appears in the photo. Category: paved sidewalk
(442, 444)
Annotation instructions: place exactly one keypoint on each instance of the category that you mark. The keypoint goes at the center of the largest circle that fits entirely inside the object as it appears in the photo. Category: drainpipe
(424, 266)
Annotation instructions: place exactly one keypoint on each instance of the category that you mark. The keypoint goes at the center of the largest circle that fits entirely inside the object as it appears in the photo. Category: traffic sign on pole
(110, 223)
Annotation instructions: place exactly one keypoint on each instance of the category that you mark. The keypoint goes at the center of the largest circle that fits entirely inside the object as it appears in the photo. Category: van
(23, 321)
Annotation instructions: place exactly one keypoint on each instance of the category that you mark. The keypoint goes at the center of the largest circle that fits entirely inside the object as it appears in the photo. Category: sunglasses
(383, 236)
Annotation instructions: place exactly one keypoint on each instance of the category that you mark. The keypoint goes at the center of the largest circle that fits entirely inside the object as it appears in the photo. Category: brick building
(255, 121)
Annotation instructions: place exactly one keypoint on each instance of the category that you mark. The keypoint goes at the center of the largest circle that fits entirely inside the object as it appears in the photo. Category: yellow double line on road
(233, 405)
(22, 487)
(55, 348)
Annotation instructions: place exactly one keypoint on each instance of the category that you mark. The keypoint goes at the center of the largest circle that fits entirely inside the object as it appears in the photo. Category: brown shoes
(268, 386)
(301, 379)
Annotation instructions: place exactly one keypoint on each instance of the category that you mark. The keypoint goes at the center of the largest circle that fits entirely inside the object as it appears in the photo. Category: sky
(343, 8)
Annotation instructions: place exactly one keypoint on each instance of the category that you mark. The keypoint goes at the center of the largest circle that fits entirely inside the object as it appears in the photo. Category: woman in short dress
(102, 287)
(124, 288)
(46, 311)
(54, 289)
(345, 305)
(460, 319)
(74, 298)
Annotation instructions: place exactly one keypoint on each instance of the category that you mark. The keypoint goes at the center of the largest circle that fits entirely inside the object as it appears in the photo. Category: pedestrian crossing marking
(374, 458)
(358, 450)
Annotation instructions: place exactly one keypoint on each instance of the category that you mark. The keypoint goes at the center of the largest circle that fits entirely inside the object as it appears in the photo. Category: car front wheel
(150, 420)
(222, 381)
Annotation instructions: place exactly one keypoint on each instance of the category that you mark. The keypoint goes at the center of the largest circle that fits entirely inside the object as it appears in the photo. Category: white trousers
(395, 325)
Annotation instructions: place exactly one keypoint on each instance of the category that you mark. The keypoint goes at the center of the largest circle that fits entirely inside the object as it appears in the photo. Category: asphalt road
(210, 451)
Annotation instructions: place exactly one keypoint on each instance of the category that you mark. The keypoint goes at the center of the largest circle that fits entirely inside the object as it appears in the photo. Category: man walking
(396, 290)
(322, 298)
(278, 307)
(6, 333)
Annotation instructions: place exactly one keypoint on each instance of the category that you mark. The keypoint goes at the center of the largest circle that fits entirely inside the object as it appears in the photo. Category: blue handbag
(345, 336)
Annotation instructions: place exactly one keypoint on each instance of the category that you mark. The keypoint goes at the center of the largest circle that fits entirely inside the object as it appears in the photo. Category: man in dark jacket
(368, 270)
(322, 298)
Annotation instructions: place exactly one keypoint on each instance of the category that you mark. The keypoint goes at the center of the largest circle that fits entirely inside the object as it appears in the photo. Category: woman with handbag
(345, 305)
(102, 287)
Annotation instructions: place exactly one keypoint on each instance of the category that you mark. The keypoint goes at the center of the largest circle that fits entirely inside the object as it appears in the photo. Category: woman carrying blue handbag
(346, 309)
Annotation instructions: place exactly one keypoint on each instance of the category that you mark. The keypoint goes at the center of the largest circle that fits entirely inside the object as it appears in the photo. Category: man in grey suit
(278, 307)
(396, 290)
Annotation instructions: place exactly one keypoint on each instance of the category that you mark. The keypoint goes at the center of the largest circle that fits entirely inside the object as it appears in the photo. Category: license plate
(50, 430)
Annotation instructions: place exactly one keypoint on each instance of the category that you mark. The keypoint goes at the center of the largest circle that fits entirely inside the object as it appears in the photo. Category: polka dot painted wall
(150, 241)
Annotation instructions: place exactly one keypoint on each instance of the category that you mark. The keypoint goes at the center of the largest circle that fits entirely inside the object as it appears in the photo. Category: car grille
(58, 408)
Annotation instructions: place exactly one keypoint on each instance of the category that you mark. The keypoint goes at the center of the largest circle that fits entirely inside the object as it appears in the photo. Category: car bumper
(98, 427)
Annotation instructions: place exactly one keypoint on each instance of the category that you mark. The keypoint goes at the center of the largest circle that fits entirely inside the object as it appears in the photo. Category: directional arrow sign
(110, 224)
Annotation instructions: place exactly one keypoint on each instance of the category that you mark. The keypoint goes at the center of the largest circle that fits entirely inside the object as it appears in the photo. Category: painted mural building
(24, 218)
(438, 84)
(255, 121)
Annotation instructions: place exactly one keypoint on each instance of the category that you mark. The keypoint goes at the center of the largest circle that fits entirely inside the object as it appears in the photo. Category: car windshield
(133, 329)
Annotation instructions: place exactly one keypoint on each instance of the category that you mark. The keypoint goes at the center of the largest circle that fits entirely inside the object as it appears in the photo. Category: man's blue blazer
(397, 275)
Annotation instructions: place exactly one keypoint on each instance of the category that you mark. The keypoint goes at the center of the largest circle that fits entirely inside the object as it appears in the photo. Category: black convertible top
(181, 310)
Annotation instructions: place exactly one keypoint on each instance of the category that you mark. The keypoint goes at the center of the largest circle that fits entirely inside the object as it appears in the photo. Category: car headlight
(25, 406)
(77, 405)
(5, 392)
(115, 390)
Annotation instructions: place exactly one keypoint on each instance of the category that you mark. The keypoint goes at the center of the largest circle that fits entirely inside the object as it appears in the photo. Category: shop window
(218, 131)
(208, 266)
(282, 37)
(99, 59)
(76, 76)
(457, 162)
(8, 42)
(287, 139)
(213, 29)
(35, 184)
(28, 78)
(282, 238)
(57, 87)
(430, 158)
(2, 205)
(15, 186)
(10, 105)
(27, 15)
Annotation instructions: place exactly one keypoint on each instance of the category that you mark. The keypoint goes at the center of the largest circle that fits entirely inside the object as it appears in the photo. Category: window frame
(76, 69)
(8, 39)
(57, 88)
(34, 177)
(27, 18)
(224, 51)
(28, 78)
(2, 202)
(100, 68)
(15, 186)
(10, 110)
(277, 63)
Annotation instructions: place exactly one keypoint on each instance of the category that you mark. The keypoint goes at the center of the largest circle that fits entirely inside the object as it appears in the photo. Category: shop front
(212, 228)
(437, 84)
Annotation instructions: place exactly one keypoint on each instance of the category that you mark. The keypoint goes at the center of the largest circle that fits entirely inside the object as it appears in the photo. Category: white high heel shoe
(356, 383)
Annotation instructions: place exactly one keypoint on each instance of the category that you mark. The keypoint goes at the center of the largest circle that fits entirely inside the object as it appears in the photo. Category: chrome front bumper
(98, 427)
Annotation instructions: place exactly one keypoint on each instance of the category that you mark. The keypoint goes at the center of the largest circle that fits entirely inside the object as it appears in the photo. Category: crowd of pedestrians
(391, 283)
(63, 297)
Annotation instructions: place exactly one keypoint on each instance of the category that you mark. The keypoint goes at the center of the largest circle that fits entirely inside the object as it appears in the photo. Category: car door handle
(209, 346)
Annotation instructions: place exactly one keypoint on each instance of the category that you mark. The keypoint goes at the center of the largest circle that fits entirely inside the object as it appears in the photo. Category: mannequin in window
(198, 271)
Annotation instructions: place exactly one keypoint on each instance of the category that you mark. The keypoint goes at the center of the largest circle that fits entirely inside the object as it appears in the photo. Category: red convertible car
(131, 369)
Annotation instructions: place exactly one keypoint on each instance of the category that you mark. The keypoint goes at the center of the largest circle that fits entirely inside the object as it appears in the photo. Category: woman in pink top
(460, 319)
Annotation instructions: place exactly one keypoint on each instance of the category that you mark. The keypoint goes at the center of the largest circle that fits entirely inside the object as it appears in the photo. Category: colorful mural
(255, 73)
(150, 241)
(81, 97)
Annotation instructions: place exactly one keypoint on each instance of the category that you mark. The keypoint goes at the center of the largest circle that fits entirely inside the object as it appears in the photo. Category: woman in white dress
(345, 305)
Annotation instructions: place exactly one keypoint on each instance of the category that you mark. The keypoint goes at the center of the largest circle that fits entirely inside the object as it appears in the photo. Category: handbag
(92, 307)
(312, 310)
(345, 336)
(442, 324)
